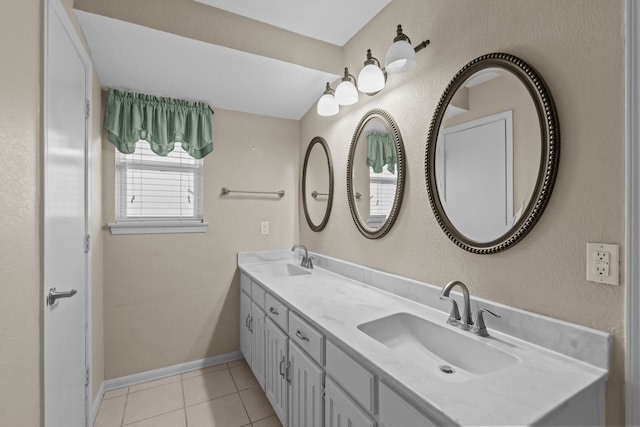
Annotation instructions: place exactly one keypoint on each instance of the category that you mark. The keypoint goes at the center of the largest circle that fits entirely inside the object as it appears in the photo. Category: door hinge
(87, 244)
(88, 377)
(87, 109)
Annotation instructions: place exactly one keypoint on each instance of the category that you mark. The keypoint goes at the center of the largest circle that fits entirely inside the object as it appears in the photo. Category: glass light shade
(370, 79)
(327, 105)
(401, 57)
(346, 93)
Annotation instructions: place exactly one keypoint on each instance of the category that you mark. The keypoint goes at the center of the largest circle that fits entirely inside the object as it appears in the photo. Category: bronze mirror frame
(549, 158)
(366, 231)
(320, 141)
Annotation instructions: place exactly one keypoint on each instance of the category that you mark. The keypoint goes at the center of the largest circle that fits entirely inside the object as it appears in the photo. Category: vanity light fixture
(371, 78)
(400, 58)
(327, 104)
(346, 92)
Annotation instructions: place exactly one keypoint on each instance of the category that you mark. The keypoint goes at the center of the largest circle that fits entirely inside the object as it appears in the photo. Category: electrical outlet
(602, 263)
(264, 228)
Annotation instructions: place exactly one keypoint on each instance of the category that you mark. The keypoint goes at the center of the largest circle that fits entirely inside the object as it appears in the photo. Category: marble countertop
(521, 394)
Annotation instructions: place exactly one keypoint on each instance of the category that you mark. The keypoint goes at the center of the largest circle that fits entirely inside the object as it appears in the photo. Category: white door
(65, 225)
(276, 359)
(477, 176)
(257, 343)
(341, 411)
(305, 390)
(245, 331)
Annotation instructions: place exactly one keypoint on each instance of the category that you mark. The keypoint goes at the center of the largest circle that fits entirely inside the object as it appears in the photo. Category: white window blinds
(152, 187)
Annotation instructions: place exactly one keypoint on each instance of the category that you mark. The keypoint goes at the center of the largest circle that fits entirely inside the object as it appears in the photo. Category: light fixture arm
(422, 45)
(328, 90)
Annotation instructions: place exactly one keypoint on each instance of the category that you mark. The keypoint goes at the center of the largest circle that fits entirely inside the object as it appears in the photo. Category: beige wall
(20, 45)
(579, 50)
(174, 298)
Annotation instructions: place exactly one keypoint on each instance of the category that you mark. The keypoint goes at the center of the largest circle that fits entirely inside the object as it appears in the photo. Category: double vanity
(338, 344)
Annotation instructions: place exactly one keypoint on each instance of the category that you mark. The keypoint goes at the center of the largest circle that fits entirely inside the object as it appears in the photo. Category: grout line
(124, 410)
(209, 400)
(184, 403)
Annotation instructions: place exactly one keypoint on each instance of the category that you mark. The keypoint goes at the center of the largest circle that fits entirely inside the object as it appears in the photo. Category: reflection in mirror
(487, 154)
(317, 184)
(492, 153)
(375, 173)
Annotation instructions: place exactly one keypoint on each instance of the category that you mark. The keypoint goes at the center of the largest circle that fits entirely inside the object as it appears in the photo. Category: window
(156, 194)
(382, 187)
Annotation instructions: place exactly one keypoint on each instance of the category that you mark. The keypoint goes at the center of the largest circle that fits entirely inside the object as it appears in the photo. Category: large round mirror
(492, 153)
(317, 184)
(375, 174)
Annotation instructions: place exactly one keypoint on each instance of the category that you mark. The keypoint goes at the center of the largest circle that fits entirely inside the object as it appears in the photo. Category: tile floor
(225, 395)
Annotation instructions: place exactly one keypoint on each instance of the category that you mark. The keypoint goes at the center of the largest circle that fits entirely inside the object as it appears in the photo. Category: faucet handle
(479, 328)
(454, 316)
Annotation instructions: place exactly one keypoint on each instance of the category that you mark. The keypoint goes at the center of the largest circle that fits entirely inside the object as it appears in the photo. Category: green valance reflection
(381, 151)
(160, 121)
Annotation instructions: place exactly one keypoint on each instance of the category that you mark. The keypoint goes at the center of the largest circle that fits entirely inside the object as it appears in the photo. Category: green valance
(381, 151)
(160, 121)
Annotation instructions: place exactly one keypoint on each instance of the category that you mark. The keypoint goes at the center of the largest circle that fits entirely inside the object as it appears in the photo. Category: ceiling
(332, 21)
(166, 64)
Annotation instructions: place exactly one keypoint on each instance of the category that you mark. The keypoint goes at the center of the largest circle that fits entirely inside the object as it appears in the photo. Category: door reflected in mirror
(317, 184)
(492, 153)
(375, 174)
(488, 154)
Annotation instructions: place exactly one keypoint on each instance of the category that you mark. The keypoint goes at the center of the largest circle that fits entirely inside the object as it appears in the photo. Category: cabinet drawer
(306, 336)
(245, 284)
(258, 294)
(395, 411)
(355, 379)
(276, 311)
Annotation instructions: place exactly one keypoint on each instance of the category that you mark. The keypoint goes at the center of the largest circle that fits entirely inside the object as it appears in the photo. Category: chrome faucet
(306, 259)
(454, 318)
(465, 322)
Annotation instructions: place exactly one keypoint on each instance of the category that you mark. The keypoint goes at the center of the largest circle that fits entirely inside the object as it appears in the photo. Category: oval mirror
(492, 153)
(375, 174)
(317, 184)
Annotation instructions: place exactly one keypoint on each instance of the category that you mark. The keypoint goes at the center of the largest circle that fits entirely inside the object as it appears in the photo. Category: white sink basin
(437, 345)
(281, 269)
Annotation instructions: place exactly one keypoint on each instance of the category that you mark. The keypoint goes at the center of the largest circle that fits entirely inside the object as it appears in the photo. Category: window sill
(157, 227)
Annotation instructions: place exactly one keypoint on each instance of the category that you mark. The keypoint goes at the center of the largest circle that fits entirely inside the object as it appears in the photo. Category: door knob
(54, 295)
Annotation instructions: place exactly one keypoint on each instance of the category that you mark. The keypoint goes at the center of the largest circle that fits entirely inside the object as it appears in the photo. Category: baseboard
(96, 403)
(156, 374)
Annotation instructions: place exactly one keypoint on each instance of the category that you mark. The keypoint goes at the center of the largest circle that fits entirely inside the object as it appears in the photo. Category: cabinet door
(257, 343)
(395, 411)
(245, 331)
(305, 389)
(276, 359)
(341, 411)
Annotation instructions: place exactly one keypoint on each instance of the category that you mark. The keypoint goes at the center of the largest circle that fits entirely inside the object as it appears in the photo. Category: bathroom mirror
(317, 184)
(375, 174)
(492, 153)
